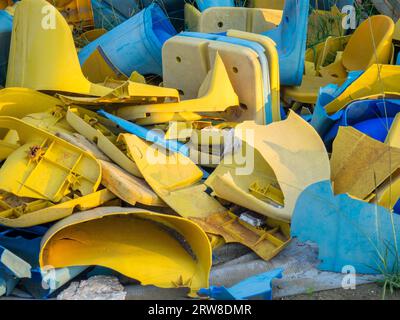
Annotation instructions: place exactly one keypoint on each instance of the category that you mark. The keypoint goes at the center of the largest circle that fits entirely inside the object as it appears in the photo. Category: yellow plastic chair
(371, 43)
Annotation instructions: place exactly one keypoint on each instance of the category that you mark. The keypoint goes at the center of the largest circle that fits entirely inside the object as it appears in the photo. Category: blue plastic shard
(348, 232)
(12, 269)
(6, 21)
(135, 45)
(373, 117)
(258, 286)
(398, 59)
(261, 57)
(150, 136)
(290, 38)
(205, 4)
(321, 121)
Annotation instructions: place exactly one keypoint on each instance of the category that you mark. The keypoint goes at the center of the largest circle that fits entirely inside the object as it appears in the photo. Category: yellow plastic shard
(127, 187)
(219, 95)
(393, 137)
(375, 80)
(266, 243)
(220, 19)
(242, 64)
(389, 194)
(285, 157)
(6, 148)
(177, 181)
(97, 69)
(273, 66)
(360, 164)
(126, 93)
(19, 102)
(175, 252)
(55, 69)
(374, 36)
(52, 121)
(90, 126)
(165, 117)
(45, 166)
(396, 34)
(38, 212)
(174, 177)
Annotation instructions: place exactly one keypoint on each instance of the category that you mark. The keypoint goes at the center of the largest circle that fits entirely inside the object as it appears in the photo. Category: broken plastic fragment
(258, 286)
(348, 232)
(176, 252)
(45, 166)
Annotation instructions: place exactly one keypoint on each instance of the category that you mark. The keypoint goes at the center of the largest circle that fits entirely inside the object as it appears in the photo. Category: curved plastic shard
(45, 166)
(19, 102)
(37, 212)
(258, 286)
(135, 45)
(271, 53)
(171, 175)
(93, 128)
(348, 232)
(55, 69)
(272, 167)
(217, 95)
(176, 252)
(360, 164)
(176, 179)
(290, 38)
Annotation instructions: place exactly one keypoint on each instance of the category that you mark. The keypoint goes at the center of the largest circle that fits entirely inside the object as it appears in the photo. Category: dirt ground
(363, 292)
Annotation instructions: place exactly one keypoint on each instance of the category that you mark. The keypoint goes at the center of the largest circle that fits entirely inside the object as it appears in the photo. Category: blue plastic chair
(374, 117)
(6, 21)
(290, 38)
(136, 44)
(261, 57)
(252, 287)
(205, 4)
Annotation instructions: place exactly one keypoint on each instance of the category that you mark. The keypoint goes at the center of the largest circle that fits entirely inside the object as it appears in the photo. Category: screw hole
(235, 70)
(178, 59)
(220, 24)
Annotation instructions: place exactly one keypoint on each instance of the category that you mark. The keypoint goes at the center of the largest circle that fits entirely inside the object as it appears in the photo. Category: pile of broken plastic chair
(128, 148)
